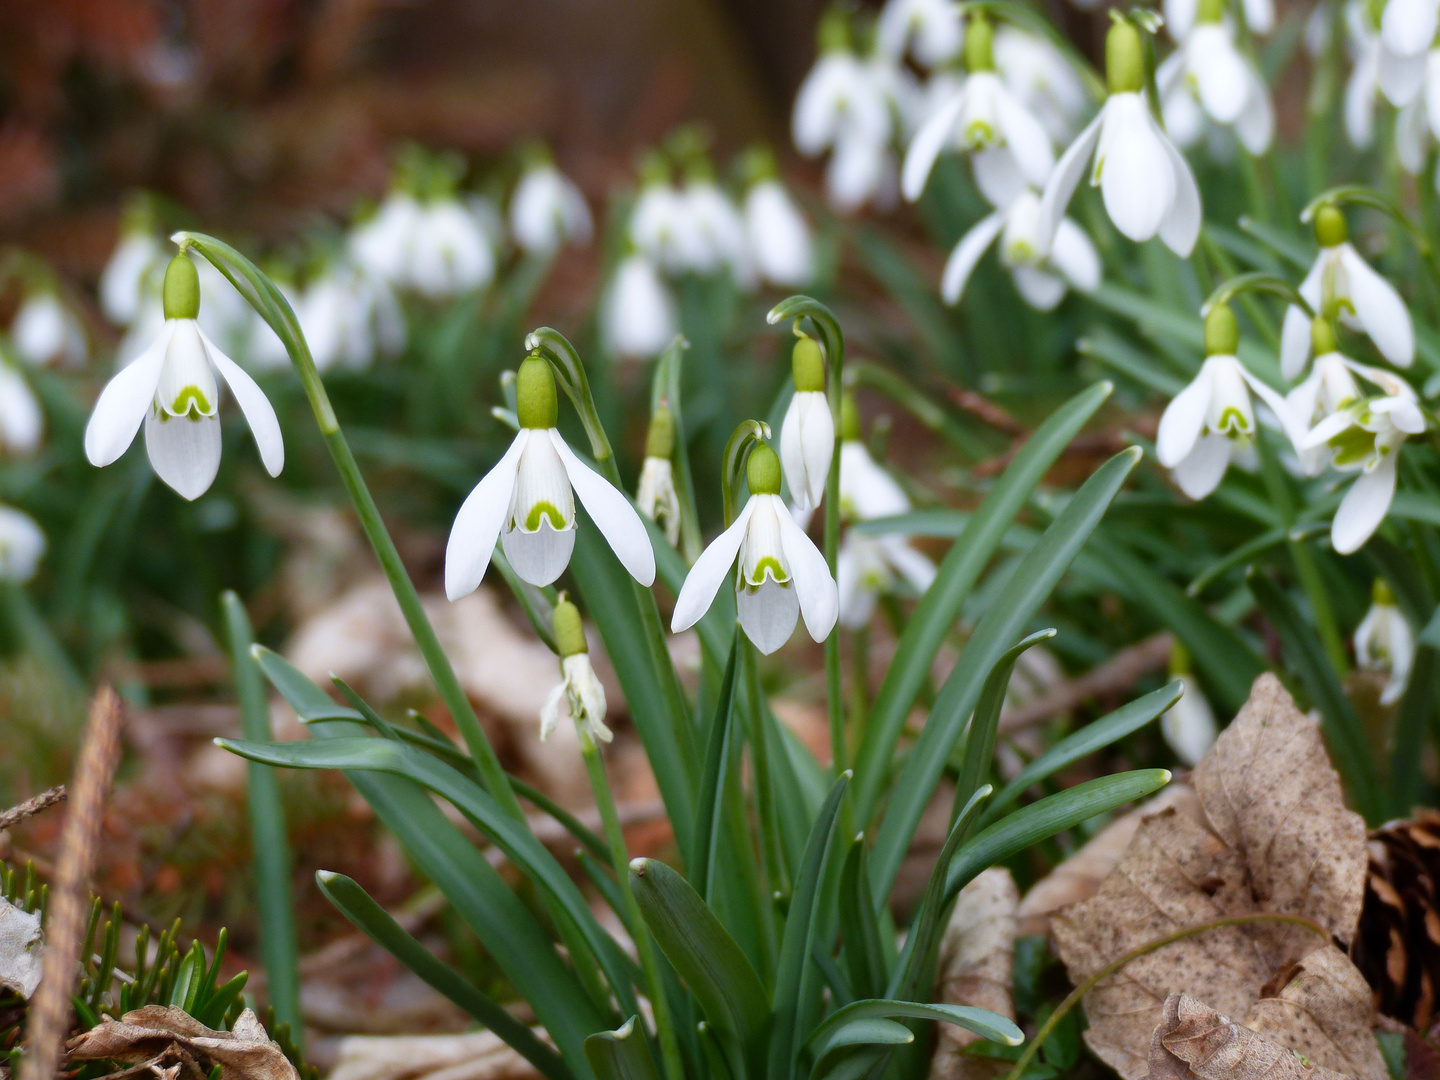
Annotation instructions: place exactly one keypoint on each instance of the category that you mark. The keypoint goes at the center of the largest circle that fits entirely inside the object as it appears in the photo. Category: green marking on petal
(1352, 446)
(188, 398)
(540, 511)
(777, 573)
(1233, 423)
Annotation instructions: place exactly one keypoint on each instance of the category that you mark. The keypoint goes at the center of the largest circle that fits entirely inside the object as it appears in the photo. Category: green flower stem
(262, 294)
(644, 943)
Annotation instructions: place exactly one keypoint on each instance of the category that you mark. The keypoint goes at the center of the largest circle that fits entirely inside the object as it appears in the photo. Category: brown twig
(69, 908)
(30, 807)
(1120, 672)
(986, 411)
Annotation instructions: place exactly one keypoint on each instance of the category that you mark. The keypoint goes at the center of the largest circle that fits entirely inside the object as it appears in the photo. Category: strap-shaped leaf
(621, 1054)
(983, 1022)
(859, 929)
(862, 1031)
(308, 700)
(710, 809)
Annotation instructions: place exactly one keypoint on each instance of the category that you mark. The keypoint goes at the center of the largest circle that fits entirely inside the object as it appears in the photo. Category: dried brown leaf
(977, 957)
(22, 947)
(1278, 839)
(163, 1037)
(1194, 1042)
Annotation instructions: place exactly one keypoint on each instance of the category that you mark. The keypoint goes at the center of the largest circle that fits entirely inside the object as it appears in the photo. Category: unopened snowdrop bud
(578, 685)
(1341, 285)
(782, 574)
(807, 436)
(1385, 642)
(527, 502)
(1147, 186)
(656, 496)
(980, 45)
(1222, 331)
(173, 389)
(22, 546)
(1188, 725)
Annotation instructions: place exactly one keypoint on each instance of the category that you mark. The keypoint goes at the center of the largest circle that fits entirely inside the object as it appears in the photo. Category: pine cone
(1398, 942)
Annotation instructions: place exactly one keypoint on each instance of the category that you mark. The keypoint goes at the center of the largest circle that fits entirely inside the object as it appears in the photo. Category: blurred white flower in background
(662, 226)
(21, 421)
(547, 211)
(132, 272)
(637, 316)
(1418, 125)
(1362, 42)
(777, 235)
(1385, 642)
(437, 248)
(349, 318)
(1043, 80)
(1189, 725)
(931, 31)
(1407, 35)
(45, 331)
(1182, 15)
(716, 229)
(22, 545)
(1207, 78)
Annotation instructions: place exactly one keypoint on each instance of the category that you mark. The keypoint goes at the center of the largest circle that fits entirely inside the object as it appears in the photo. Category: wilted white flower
(578, 687)
(1189, 725)
(807, 435)
(172, 388)
(1042, 79)
(1042, 271)
(1342, 284)
(548, 211)
(781, 576)
(137, 261)
(45, 331)
(638, 317)
(1147, 186)
(527, 502)
(22, 545)
(21, 421)
(1212, 421)
(777, 235)
(931, 30)
(1385, 642)
(655, 496)
(1207, 78)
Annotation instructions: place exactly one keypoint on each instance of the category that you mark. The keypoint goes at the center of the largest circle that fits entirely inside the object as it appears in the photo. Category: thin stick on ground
(69, 908)
(30, 807)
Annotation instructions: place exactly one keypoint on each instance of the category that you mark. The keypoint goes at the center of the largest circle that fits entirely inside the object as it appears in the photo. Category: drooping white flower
(868, 566)
(1362, 42)
(781, 577)
(1385, 642)
(1043, 80)
(1407, 34)
(655, 496)
(22, 545)
(1212, 421)
(578, 688)
(638, 318)
(1342, 284)
(807, 435)
(1418, 125)
(137, 259)
(1208, 78)
(527, 502)
(46, 331)
(547, 211)
(172, 387)
(21, 421)
(662, 227)
(777, 235)
(1181, 16)
(437, 248)
(1043, 269)
(1147, 186)
(717, 230)
(930, 30)
(982, 114)
(349, 317)
(382, 244)
(866, 490)
(1189, 725)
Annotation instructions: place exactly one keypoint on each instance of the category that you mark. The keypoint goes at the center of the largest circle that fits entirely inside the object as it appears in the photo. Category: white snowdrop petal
(541, 556)
(1026, 139)
(1040, 289)
(254, 405)
(22, 545)
(1066, 175)
(1364, 507)
(709, 572)
(1380, 310)
(1294, 342)
(21, 421)
(477, 525)
(768, 613)
(935, 134)
(966, 255)
(1180, 228)
(1074, 255)
(1407, 27)
(618, 521)
(1204, 467)
(810, 576)
(184, 451)
(1183, 420)
(124, 403)
(1137, 178)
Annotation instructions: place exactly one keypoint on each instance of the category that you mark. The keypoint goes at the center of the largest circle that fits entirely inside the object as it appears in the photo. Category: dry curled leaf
(1276, 838)
(21, 949)
(1194, 1042)
(168, 1041)
(475, 1055)
(977, 958)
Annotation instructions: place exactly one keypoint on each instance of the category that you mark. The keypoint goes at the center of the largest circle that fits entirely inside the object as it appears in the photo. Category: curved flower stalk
(982, 113)
(173, 389)
(931, 31)
(45, 331)
(777, 236)
(527, 502)
(1384, 642)
(781, 574)
(807, 434)
(1342, 285)
(1147, 186)
(656, 497)
(638, 318)
(22, 545)
(21, 421)
(1182, 16)
(1043, 80)
(1211, 422)
(579, 687)
(1208, 79)
(547, 210)
(1043, 272)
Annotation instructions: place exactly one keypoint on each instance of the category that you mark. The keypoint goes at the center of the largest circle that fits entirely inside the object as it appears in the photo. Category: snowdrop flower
(172, 388)
(22, 546)
(638, 318)
(1042, 272)
(21, 422)
(1419, 122)
(124, 283)
(1148, 188)
(45, 330)
(1385, 642)
(547, 211)
(982, 113)
(1341, 284)
(1212, 421)
(1181, 16)
(866, 490)
(662, 225)
(437, 248)
(348, 317)
(1208, 78)
(1042, 79)
(807, 435)
(1189, 725)
(777, 236)
(579, 688)
(1407, 34)
(868, 566)
(527, 502)
(931, 30)
(781, 575)
(1363, 86)
(382, 245)
(716, 229)
(656, 496)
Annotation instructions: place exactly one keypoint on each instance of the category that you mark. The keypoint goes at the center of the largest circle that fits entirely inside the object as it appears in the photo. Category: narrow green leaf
(859, 929)
(621, 1054)
(862, 1031)
(1026, 590)
(712, 781)
(983, 1022)
(375, 922)
(308, 700)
